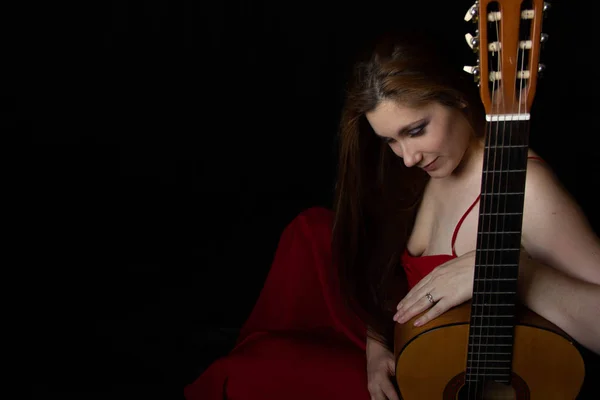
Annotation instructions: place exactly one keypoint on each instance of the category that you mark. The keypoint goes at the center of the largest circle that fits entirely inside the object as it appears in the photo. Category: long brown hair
(376, 195)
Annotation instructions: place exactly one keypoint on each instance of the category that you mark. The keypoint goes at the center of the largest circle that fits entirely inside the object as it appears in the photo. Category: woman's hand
(380, 368)
(445, 287)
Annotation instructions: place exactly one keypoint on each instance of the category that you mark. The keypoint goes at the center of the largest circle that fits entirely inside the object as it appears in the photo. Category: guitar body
(431, 359)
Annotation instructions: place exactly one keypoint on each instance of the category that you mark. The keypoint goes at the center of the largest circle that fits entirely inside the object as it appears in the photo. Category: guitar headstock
(507, 41)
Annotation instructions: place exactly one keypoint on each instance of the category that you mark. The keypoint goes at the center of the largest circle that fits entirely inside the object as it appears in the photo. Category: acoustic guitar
(492, 347)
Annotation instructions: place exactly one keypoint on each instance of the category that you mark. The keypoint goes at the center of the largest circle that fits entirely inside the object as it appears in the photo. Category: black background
(169, 143)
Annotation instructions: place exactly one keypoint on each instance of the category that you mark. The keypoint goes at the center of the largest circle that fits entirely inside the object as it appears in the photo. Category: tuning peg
(472, 41)
(541, 69)
(547, 6)
(473, 12)
(473, 70)
(544, 37)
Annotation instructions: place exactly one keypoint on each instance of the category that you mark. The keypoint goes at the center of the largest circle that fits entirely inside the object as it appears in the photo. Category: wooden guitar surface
(431, 359)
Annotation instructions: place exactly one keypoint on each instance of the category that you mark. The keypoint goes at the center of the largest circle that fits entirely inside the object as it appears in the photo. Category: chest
(444, 220)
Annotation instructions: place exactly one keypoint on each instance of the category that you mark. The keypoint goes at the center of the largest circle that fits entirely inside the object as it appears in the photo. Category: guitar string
(488, 204)
(500, 195)
(494, 203)
(485, 203)
(522, 140)
(520, 160)
(496, 196)
(501, 218)
(473, 370)
(489, 270)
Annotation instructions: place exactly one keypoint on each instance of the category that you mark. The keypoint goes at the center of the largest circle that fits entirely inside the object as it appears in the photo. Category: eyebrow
(407, 128)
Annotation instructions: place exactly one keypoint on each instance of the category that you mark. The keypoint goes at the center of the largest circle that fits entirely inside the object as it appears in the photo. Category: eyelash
(412, 133)
(417, 131)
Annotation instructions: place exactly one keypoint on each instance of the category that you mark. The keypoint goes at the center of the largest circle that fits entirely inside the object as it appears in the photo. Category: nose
(410, 156)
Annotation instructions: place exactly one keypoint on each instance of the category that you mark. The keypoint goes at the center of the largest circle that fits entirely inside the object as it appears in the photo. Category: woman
(407, 111)
(403, 227)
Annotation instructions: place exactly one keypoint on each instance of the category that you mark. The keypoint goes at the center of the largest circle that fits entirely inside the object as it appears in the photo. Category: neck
(471, 163)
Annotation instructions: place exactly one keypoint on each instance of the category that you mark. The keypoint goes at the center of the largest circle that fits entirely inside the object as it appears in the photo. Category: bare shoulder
(543, 189)
(555, 229)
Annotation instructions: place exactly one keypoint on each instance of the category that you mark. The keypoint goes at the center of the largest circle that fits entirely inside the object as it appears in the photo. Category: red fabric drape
(300, 341)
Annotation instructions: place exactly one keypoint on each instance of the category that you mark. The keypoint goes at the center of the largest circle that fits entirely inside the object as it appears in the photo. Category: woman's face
(434, 137)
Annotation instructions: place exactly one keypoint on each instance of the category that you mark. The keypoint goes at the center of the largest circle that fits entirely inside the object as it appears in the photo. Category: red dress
(301, 342)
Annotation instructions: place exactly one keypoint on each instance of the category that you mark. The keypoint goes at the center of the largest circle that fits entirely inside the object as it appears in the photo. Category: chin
(439, 173)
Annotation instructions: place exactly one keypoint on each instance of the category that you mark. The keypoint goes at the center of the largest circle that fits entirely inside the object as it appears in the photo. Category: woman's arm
(562, 282)
(570, 303)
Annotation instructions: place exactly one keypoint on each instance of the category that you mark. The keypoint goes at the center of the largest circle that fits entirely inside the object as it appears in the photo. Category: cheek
(395, 147)
(439, 144)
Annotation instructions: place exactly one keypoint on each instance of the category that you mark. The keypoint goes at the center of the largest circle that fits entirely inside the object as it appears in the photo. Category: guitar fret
(495, 345)
(497, 265)
(508, 146)
(486, 336)
(488, 374)
(503, 170)
(490, 293)
(494, 279)
(498, 233)
(493, 316)
(502, 213)
(493, 326)
(501, 193)
(507, 249)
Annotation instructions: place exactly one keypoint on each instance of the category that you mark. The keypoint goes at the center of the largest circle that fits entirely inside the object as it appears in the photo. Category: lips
(430, 166)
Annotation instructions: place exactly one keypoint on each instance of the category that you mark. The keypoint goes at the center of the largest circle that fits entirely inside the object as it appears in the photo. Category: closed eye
(417, 131)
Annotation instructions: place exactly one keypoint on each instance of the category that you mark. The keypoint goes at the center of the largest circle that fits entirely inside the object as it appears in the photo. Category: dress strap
(455, 234)
(460, 223)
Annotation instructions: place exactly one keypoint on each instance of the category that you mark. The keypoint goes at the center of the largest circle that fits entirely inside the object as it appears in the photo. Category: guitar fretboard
(498, 251)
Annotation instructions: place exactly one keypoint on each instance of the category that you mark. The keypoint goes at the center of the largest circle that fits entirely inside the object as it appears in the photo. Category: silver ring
(430, 298)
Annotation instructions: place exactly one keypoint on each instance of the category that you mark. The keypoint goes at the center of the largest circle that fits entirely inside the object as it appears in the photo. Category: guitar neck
(498, 250)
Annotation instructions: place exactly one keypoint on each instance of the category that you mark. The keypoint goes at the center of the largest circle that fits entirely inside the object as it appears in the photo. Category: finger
(376, 392)
(418, 304)
(411, 296)
(409, 302)
(418, 307)
(379, 395)
(440, 307)
(389, 390)
(392, 367)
